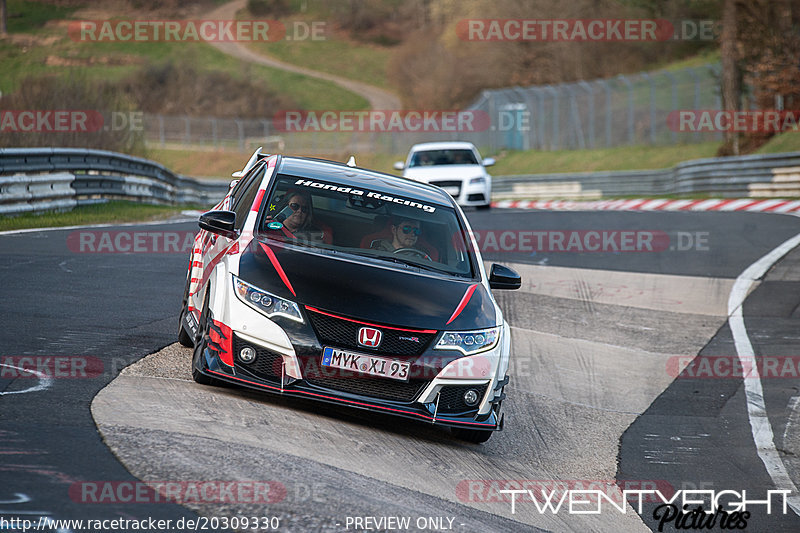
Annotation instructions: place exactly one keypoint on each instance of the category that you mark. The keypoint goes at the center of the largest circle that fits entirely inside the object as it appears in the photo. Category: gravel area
(173, 362)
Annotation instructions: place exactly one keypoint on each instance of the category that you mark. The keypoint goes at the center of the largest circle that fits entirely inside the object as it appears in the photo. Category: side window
(245, 196)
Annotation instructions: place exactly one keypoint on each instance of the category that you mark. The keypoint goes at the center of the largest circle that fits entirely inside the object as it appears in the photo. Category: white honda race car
(343, 285)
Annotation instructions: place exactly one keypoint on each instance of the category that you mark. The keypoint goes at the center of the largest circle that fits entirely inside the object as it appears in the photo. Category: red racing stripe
(463, 303)
(257, 201)
(278, 267)
(211, 265)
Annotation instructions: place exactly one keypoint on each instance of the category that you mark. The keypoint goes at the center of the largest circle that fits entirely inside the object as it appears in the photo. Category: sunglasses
(409, 229)
(296, 206)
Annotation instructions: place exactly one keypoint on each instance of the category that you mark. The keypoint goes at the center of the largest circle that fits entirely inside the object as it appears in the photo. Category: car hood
(344, 285)
(444, 172)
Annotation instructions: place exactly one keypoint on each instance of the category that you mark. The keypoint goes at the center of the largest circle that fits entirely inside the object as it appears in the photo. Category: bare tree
(3, 18)
(731, 90)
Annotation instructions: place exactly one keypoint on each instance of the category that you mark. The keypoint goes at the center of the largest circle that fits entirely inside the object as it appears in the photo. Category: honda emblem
(369, 337)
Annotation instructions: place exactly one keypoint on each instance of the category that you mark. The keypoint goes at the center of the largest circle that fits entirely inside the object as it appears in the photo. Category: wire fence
(605, 113)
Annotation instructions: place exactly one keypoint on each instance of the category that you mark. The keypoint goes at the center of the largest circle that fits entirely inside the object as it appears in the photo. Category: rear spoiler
(250, 163)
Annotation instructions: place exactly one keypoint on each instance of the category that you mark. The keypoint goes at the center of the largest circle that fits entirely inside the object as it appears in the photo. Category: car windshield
(443, 157)
(376, 225)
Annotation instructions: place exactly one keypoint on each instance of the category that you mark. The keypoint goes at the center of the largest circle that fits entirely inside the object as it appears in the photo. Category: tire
(200, 346)
(183, 336)
(484, 207)
(475, 436)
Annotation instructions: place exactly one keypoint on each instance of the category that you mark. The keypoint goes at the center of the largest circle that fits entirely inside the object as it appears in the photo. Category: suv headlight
(469, 342)
(265, 302)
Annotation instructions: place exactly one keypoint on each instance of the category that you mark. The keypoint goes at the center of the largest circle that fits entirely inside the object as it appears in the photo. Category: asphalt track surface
(592, 396)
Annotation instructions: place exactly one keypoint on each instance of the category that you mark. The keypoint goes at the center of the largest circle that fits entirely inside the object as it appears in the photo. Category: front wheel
(200, 344)
(484, 207)
(183, 337)
(475, 436)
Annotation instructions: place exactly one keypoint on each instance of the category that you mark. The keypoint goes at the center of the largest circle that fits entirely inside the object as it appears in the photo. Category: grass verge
(117, 211)
(620, 158)
(331, 54)
(219, 164)
(37, 49)
(785, 142)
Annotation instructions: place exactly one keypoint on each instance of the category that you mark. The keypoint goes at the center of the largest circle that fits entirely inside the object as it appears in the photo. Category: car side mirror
(398, 165)
(220, 223)
(502, 277)
(489, 161)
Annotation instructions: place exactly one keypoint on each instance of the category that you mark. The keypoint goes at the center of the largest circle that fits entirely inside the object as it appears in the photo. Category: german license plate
(371, 365)
(452, 191)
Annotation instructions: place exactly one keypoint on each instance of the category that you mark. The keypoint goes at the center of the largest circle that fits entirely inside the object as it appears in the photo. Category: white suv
(456, 167)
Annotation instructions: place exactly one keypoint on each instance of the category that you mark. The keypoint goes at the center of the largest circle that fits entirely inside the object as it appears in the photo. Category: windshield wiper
(408, 262)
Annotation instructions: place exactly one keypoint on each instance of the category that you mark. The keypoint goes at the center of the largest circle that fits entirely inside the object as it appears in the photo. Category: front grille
(451, 398)
(267, 364)
(385, 389)
(455, 192)
(344, 334)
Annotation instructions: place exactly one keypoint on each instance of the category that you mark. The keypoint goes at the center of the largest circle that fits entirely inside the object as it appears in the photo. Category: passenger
(297, 216)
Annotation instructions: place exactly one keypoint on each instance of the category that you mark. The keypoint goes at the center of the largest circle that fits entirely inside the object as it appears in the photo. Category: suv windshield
(443, 157)
(374, 224)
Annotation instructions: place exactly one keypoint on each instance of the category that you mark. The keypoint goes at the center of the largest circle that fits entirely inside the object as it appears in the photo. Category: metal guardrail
(43, 179)
(742, 176)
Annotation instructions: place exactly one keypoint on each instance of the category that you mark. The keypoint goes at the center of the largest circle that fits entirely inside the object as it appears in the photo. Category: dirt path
(378, 98)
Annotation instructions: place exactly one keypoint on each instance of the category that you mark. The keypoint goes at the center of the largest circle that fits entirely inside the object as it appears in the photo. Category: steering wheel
(413, 251)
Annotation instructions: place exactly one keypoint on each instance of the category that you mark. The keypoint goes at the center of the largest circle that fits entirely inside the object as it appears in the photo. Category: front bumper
(425, 412)
(467, 194)
(288, 363)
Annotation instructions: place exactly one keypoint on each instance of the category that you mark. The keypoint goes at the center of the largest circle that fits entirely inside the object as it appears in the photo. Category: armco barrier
(43, 179)
(727, 177)
(40, 179)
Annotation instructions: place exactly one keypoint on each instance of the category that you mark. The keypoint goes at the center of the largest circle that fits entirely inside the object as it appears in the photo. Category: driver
(297, 215)
(405, 233)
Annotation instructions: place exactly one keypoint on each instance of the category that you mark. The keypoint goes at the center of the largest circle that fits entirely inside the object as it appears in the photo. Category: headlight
(265, 302)
(474, 181)
(469, 342)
